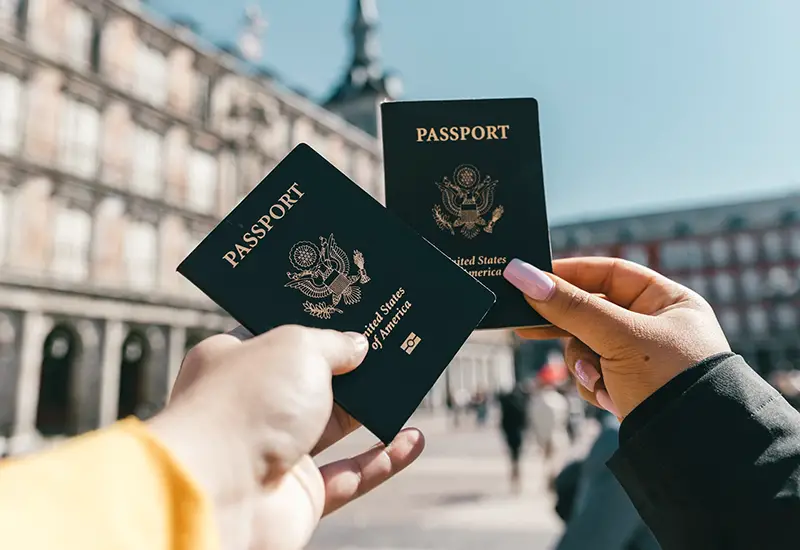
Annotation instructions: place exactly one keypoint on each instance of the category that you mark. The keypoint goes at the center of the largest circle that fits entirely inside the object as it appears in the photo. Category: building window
(10, 119)
(730, 321)
(71, 241)
(148, 165)
(781, 282)
(786, 316)
(96, 46)
(724, 287)
(203, 177)
(794, 242)
(637, 254)
(681, 255)
(757, 320)
(80, 130)
(746, 248)
(141, 255)
(79, 28)
(151, 74)
(203, 86)
(720, 252)
(699, 284)
(752, 284)
(773, 246)
(14, 17)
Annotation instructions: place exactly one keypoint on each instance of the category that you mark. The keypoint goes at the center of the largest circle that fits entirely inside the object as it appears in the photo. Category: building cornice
(295, 102)
(57, 297)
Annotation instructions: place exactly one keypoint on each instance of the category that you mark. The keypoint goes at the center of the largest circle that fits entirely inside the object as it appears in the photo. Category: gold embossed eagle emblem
(323, 272)
(466, 200)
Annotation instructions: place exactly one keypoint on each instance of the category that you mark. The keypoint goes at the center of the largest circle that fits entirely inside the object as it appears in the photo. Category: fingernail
(587, 374)
(361, 344)
(604, 400)
(531, 280)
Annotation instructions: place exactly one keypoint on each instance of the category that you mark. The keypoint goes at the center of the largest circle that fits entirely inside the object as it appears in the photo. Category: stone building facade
(743, 257)
(123, 140)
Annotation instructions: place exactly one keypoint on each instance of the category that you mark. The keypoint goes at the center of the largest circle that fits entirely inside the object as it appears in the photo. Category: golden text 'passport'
(467, 175)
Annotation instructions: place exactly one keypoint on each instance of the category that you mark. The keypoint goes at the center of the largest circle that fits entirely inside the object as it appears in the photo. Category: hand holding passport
(309, 247)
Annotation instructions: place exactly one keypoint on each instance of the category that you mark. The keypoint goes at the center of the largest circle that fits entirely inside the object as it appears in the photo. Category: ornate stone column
(113, 338)
(10, 352)
(35, 328)
(156, 376)
(87, 376)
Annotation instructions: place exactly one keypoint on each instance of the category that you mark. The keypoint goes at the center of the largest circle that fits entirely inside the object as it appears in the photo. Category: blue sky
(644, 105)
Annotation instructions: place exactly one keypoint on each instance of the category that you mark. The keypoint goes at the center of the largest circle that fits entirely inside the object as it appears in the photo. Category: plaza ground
(455, 497)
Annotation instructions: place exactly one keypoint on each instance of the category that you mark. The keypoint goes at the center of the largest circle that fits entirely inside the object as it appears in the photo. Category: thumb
(593, 320)
(343, 351)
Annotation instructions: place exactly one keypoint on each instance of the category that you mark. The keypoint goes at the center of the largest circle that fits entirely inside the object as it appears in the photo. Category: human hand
(245, 418)
(630, 329)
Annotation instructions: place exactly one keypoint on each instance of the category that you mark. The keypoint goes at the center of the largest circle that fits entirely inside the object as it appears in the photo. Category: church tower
(365, 84)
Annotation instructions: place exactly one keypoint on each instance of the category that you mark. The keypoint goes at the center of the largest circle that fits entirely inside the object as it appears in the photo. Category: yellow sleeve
(116, 488)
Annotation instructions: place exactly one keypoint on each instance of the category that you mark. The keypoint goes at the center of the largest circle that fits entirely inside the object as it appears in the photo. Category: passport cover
(308, 246)
(467, 175)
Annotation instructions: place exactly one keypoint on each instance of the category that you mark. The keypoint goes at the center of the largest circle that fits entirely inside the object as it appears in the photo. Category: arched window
(54, 412)
(135, 354)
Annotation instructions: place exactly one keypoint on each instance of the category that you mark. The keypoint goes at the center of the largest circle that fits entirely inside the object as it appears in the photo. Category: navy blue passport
(467, 175)
(308, 246)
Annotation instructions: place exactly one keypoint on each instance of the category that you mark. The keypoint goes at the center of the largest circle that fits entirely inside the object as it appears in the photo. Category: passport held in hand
(307, 246)
(467, 175)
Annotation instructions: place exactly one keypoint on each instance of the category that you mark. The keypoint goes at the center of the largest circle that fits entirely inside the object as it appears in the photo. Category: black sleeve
(605, 519)
(712, 460)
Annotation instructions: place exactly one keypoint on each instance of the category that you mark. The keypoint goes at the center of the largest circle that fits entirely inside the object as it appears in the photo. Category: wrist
(668, 394)
(217, 459)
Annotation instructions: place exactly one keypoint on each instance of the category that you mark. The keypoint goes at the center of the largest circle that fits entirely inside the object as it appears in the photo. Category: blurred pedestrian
(481, 404)
(577, 411)
(513, 422)
(461, 401)
(550, 414)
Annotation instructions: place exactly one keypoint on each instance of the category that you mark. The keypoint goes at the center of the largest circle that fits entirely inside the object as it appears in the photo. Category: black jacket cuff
(720, 447)
(672, 390)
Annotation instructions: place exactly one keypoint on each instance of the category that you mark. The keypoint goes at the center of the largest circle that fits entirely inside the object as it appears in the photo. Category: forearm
(115, 488)
(712, 460)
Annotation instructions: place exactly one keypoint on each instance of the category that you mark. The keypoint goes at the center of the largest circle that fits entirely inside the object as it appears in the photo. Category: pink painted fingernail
(604, 400)
(529, 279)
(587, 374)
